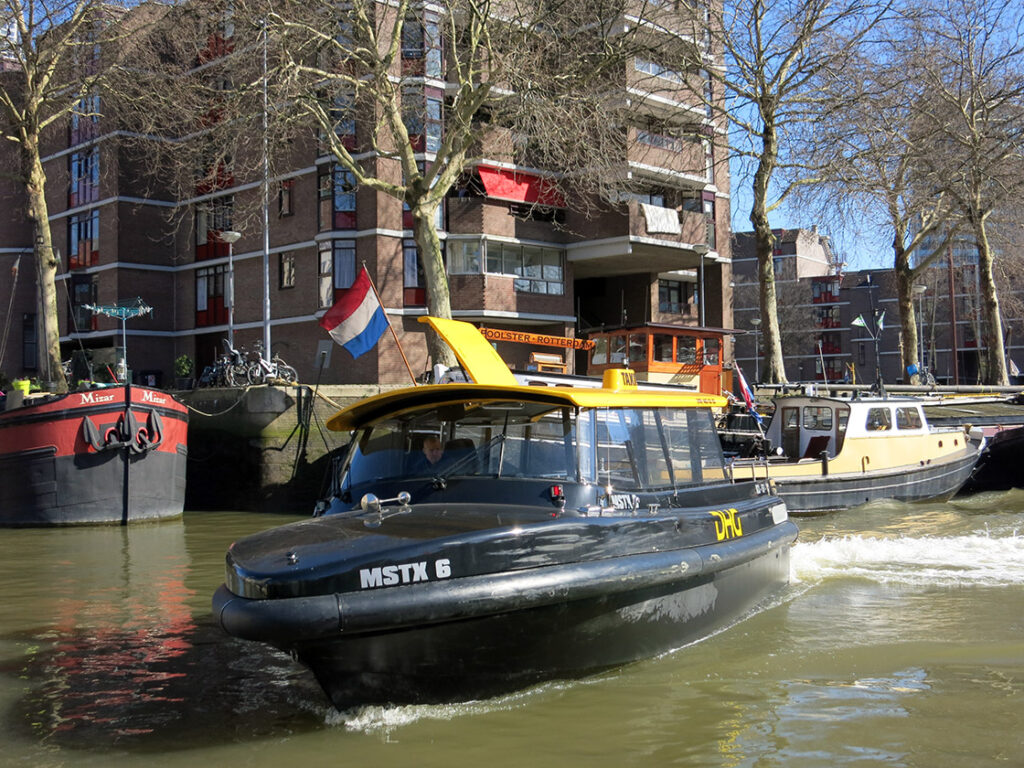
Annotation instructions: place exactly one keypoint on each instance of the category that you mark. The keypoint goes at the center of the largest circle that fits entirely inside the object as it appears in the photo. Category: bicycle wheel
(287, 374)
(236, 376)
(254, 373)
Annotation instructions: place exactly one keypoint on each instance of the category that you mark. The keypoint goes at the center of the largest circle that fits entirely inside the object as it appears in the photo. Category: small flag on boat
(748, 397)
(357, 319)
(859, 320)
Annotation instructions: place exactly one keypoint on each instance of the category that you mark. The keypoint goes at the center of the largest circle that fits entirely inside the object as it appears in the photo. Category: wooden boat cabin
(664, 354)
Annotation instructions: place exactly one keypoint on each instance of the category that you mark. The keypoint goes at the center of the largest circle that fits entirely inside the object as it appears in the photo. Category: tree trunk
(773, 371)
(47, 261)
(439, 302)
(995, 369)
(905, 303)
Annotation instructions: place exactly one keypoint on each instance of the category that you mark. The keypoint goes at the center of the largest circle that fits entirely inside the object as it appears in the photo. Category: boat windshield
(498, 439)
(625, 448)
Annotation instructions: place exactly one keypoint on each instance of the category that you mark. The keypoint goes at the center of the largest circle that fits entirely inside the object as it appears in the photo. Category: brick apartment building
(518, 257)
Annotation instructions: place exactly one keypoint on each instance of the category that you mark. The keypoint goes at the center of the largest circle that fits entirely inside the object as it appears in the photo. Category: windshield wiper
(441, 478)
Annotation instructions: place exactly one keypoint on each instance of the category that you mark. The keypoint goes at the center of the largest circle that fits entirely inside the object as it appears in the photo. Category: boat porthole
(940, 443)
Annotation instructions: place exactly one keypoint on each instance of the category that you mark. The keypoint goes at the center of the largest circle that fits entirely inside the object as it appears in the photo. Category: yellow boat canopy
(493, 381)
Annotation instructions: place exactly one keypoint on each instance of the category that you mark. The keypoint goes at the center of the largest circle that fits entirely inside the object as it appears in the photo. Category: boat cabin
(555, 445)
(805, 427)
(667, 354)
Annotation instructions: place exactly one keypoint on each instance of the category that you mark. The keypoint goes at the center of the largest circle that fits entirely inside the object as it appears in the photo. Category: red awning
(519, 187)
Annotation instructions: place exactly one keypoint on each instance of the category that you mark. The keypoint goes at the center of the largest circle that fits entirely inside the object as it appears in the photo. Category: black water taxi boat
(563, 532)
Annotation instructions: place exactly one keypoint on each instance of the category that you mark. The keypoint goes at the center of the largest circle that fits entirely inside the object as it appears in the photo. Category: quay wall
(263, 448)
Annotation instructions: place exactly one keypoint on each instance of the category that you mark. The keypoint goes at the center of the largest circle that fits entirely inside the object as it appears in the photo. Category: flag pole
(390, 328)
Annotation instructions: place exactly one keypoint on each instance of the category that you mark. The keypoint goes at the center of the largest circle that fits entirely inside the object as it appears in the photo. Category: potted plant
(183, 368)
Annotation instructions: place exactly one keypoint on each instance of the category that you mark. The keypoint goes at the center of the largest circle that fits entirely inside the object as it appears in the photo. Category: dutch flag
(357, 320)
(748, 396)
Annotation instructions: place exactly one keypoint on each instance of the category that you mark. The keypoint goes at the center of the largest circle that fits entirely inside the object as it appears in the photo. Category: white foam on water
(977, 559)
(382, 720)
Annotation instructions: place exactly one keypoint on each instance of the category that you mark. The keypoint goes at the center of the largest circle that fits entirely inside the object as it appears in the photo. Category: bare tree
(880, 142)
(51, 52)
(780, 57)
(976, 111)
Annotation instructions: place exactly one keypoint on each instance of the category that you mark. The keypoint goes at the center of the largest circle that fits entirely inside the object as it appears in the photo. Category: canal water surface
(899, 642)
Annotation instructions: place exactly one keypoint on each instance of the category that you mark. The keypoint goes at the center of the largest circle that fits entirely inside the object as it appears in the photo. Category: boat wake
(382, 720)
(980, 559)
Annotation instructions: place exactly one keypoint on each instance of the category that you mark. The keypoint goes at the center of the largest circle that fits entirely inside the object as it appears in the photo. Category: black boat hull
(91, 489)
(827, 493)
(486, 635)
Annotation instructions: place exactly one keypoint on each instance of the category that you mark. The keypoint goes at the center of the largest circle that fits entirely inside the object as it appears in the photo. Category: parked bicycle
(263, 371)
(230, 369)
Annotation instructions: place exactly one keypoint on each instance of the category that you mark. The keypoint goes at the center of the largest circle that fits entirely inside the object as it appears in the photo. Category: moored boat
(829, 453)
(109, 455)
(561, 532)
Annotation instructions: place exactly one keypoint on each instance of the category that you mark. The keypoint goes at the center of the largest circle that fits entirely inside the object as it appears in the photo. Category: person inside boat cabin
(433, 451)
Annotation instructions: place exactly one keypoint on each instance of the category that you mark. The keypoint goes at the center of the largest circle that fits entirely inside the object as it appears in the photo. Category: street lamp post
(756, 322)
(231, 237)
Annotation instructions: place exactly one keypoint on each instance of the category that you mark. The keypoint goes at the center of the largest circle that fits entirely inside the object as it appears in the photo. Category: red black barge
(112, 455)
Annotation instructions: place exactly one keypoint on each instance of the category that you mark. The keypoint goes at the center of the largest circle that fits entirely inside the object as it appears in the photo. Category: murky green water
(900, 642)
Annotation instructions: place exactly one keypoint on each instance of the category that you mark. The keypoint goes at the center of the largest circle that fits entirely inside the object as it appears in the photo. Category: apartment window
(211, 306)
(29, 342)
(659, 140)
(421, 46)
(85, 177)
(337, 187)
(284, 198)
(83, 292)
(85, 119)
(344, 118)
(83, 239)
(673, 296)
(709, 220)
(464, 257)
(212, 218)
(422, 112)
(413, 280)
(536, 269)
(657, 70)
(286, 270)
(336, 270)
(650, 197)
(708, 93)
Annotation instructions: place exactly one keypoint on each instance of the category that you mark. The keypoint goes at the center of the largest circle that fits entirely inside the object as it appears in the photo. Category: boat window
(656, 448)
(710, 351)
(818, 417)
(600, 354)
(662, 348)
(504, 439)
(878, 419)
(638, 347)
(908, 418)
(617, 349)
(686, 350)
